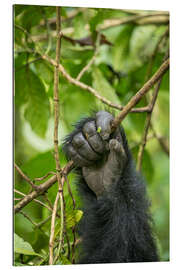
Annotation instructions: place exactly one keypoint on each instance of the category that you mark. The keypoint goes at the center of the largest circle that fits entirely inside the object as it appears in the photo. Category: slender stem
(25, 177)
(147, 125)
(56, 122)
(51, 240)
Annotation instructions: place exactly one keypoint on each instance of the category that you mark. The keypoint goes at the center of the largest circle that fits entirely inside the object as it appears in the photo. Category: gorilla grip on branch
(116, 225)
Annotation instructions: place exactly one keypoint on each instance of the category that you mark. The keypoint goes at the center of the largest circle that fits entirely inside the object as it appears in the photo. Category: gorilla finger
(93, 138)
(83, 148)
(117, 150)
(103, 121)
(78, 160)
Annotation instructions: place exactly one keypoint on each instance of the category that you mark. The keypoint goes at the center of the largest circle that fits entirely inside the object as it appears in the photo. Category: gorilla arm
(116, 226)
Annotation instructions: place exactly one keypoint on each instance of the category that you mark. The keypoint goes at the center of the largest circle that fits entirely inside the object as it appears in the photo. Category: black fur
(116, 227)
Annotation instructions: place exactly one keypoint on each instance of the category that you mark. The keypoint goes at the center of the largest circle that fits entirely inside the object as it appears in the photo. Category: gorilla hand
(99, 153)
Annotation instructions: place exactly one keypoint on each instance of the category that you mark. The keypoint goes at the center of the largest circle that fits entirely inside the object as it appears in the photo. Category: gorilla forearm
(116, 226)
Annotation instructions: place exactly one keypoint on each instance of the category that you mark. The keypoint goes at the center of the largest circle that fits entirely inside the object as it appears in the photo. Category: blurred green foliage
(118, 73)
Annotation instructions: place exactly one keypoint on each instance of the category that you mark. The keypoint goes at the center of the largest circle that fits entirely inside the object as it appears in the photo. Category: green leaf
(44, 70)
(29, 89)
(63, 261)
(22, 247)
(42, 164)
(73, 53)
(103, 86)
(121, 49)
(79, 22)
(73, 218)
(96, 19)
(18, 36)
(18, 264)
(18, 9)
(78, 215)
(31, 16)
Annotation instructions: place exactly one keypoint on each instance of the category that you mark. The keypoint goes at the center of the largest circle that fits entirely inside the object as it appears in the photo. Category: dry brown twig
(44, 177)
(81, 73)
(25, 177)
(147, 125)
(53, 219)
(56, 150)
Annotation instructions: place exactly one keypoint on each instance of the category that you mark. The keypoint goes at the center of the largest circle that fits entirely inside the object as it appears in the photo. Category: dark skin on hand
(100, 154)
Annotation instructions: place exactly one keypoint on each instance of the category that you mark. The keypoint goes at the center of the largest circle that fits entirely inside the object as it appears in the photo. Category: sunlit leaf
(22, 247)
(103, 87)
(30, 90)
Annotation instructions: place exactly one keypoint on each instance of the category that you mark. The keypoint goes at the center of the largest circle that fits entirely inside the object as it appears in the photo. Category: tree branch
(89, 88)
(37, 201)
(42, 188)
(137, 97)
(139, 19)
(147, 125)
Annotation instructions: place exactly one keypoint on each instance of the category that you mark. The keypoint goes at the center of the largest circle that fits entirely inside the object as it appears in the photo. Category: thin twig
(150, 64)
(37, 201)
(152, 102)
(43, 222)
(138, 96)
(56, 122)
(87, 66)
(91, 61)
(47, 200)
(42, 188)
(28, 217)
(44, 177)
(51, 240)
(147, 125)
(25, 177)
(136, 19)
(163, 143)
(29, 63)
